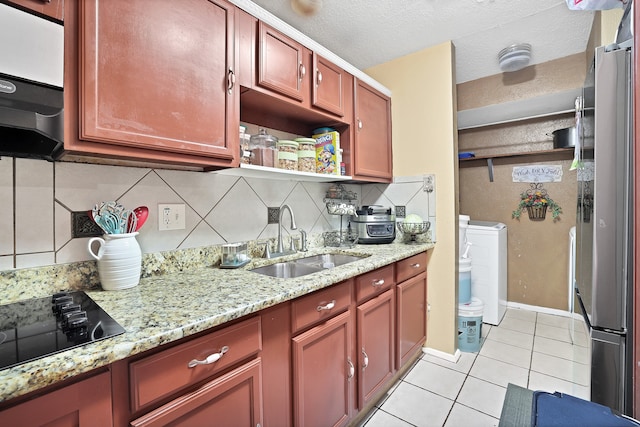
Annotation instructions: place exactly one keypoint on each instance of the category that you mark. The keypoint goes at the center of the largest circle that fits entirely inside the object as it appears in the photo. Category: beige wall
(425, 141)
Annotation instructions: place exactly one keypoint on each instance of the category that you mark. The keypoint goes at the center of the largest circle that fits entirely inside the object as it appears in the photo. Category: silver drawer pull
(416, 265)
(327, 307)
(210, 359)
(377, 282)
(365, 359)
(352, 369)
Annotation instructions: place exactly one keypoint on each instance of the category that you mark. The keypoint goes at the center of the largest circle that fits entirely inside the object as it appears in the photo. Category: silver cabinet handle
(416, 265)
(212, 358)
(231, 81)
(359, 124)
(302, 71)
(318, 77)
(352, 369)
(327, 306)
(377, 283)
(365, 359)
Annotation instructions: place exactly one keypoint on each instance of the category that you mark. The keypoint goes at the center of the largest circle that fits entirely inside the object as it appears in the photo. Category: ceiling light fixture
(514, 57)
(306, 7)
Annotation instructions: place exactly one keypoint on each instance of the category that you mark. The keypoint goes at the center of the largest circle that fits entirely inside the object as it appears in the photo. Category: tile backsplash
(39, 197)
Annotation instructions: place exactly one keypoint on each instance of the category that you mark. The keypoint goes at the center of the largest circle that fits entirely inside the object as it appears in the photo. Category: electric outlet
(83, 226)
(429, 183)
(171, 217)
(401, 211)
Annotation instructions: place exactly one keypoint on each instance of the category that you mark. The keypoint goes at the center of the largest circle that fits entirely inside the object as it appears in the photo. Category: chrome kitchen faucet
(280, 249)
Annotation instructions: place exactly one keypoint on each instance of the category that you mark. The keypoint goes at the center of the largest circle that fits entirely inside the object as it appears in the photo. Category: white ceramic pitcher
(119, 260)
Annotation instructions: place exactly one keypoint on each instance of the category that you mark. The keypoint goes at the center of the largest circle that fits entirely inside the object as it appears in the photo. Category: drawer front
(411, 266)
(374, 282)
(164, 373)
(320, 306)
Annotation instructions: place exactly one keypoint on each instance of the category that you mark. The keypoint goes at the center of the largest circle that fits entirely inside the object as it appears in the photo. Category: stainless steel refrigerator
(604, 249)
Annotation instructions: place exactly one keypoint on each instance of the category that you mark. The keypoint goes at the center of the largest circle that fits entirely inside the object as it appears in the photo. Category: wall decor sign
(537, 173)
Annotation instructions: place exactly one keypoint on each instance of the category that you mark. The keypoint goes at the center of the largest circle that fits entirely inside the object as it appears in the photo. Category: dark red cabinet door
(412, 316)
(376, 345)
(159, 77)
(324, 373)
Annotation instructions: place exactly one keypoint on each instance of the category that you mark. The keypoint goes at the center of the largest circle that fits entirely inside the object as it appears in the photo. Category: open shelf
(505, 158)
(254, 171)
(525, 109)
(560, 153)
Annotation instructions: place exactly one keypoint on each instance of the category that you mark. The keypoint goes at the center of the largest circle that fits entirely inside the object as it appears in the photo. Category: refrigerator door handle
(582, 309)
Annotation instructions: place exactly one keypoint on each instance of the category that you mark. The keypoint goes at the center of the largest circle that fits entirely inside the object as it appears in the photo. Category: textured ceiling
(371, 32)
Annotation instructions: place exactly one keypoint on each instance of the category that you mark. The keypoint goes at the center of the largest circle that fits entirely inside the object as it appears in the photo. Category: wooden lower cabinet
(375, 345)
(234, 399)
(412, 317)
(213, 379)
(84, 403)
(323, 373)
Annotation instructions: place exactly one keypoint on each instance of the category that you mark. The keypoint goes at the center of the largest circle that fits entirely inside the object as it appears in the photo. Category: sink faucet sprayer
(280, 249)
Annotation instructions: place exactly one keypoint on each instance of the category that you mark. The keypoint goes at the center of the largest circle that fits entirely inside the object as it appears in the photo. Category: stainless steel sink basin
(328, 260)
(304, 266)
(287, 270)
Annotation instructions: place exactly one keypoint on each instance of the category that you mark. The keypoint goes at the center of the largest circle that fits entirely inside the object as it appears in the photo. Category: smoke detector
(514, 57)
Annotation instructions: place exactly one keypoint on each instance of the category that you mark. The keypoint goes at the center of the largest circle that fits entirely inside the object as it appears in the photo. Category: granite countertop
(165, 308)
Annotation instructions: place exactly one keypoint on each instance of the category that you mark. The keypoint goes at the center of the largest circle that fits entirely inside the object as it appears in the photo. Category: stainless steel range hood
(31, 85)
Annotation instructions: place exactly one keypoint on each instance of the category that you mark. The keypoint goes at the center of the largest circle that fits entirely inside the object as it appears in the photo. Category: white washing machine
(489, 267)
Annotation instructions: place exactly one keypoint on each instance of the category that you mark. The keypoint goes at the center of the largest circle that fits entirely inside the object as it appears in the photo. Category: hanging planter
(536, 201)
(537, 213)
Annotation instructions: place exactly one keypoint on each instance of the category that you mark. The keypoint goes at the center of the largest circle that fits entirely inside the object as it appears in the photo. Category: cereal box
(327, 149)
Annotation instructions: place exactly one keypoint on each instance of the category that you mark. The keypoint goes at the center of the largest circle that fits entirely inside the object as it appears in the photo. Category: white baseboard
(453, 358)
(545, 310)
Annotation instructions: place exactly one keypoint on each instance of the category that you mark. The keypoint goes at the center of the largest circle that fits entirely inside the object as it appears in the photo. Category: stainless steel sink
(287, 270)
(329, 260)
(304, 266)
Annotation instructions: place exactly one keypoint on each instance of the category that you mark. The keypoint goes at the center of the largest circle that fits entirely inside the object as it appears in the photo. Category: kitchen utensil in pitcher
(142, 213)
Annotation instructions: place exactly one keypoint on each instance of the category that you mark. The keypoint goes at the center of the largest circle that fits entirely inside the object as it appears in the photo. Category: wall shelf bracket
(490, 168)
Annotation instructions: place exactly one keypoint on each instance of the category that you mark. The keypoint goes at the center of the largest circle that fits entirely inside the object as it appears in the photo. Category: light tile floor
(529, 349)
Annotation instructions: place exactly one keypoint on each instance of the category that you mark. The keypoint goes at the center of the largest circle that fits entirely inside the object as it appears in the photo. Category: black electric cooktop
(39, 327)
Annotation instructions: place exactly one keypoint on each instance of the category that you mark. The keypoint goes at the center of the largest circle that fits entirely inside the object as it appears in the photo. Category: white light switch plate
(171, 217)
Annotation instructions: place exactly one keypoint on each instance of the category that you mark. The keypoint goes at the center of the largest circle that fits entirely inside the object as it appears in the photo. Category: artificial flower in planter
(536, 201)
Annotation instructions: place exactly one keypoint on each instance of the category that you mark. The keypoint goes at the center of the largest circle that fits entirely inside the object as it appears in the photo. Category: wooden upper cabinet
(329, 84)
(282, 63)
(52, 8)
(372, 151)
(158, 78)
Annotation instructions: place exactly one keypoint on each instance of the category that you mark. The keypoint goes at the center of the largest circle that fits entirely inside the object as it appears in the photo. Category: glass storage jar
(245, 154)
(306, 154)
(287, 155)
(263, 149)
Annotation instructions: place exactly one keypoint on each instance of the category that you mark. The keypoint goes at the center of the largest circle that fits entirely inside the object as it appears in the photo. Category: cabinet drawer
(411, 266)
(374, 282)
(164, 373)
(320, 306)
